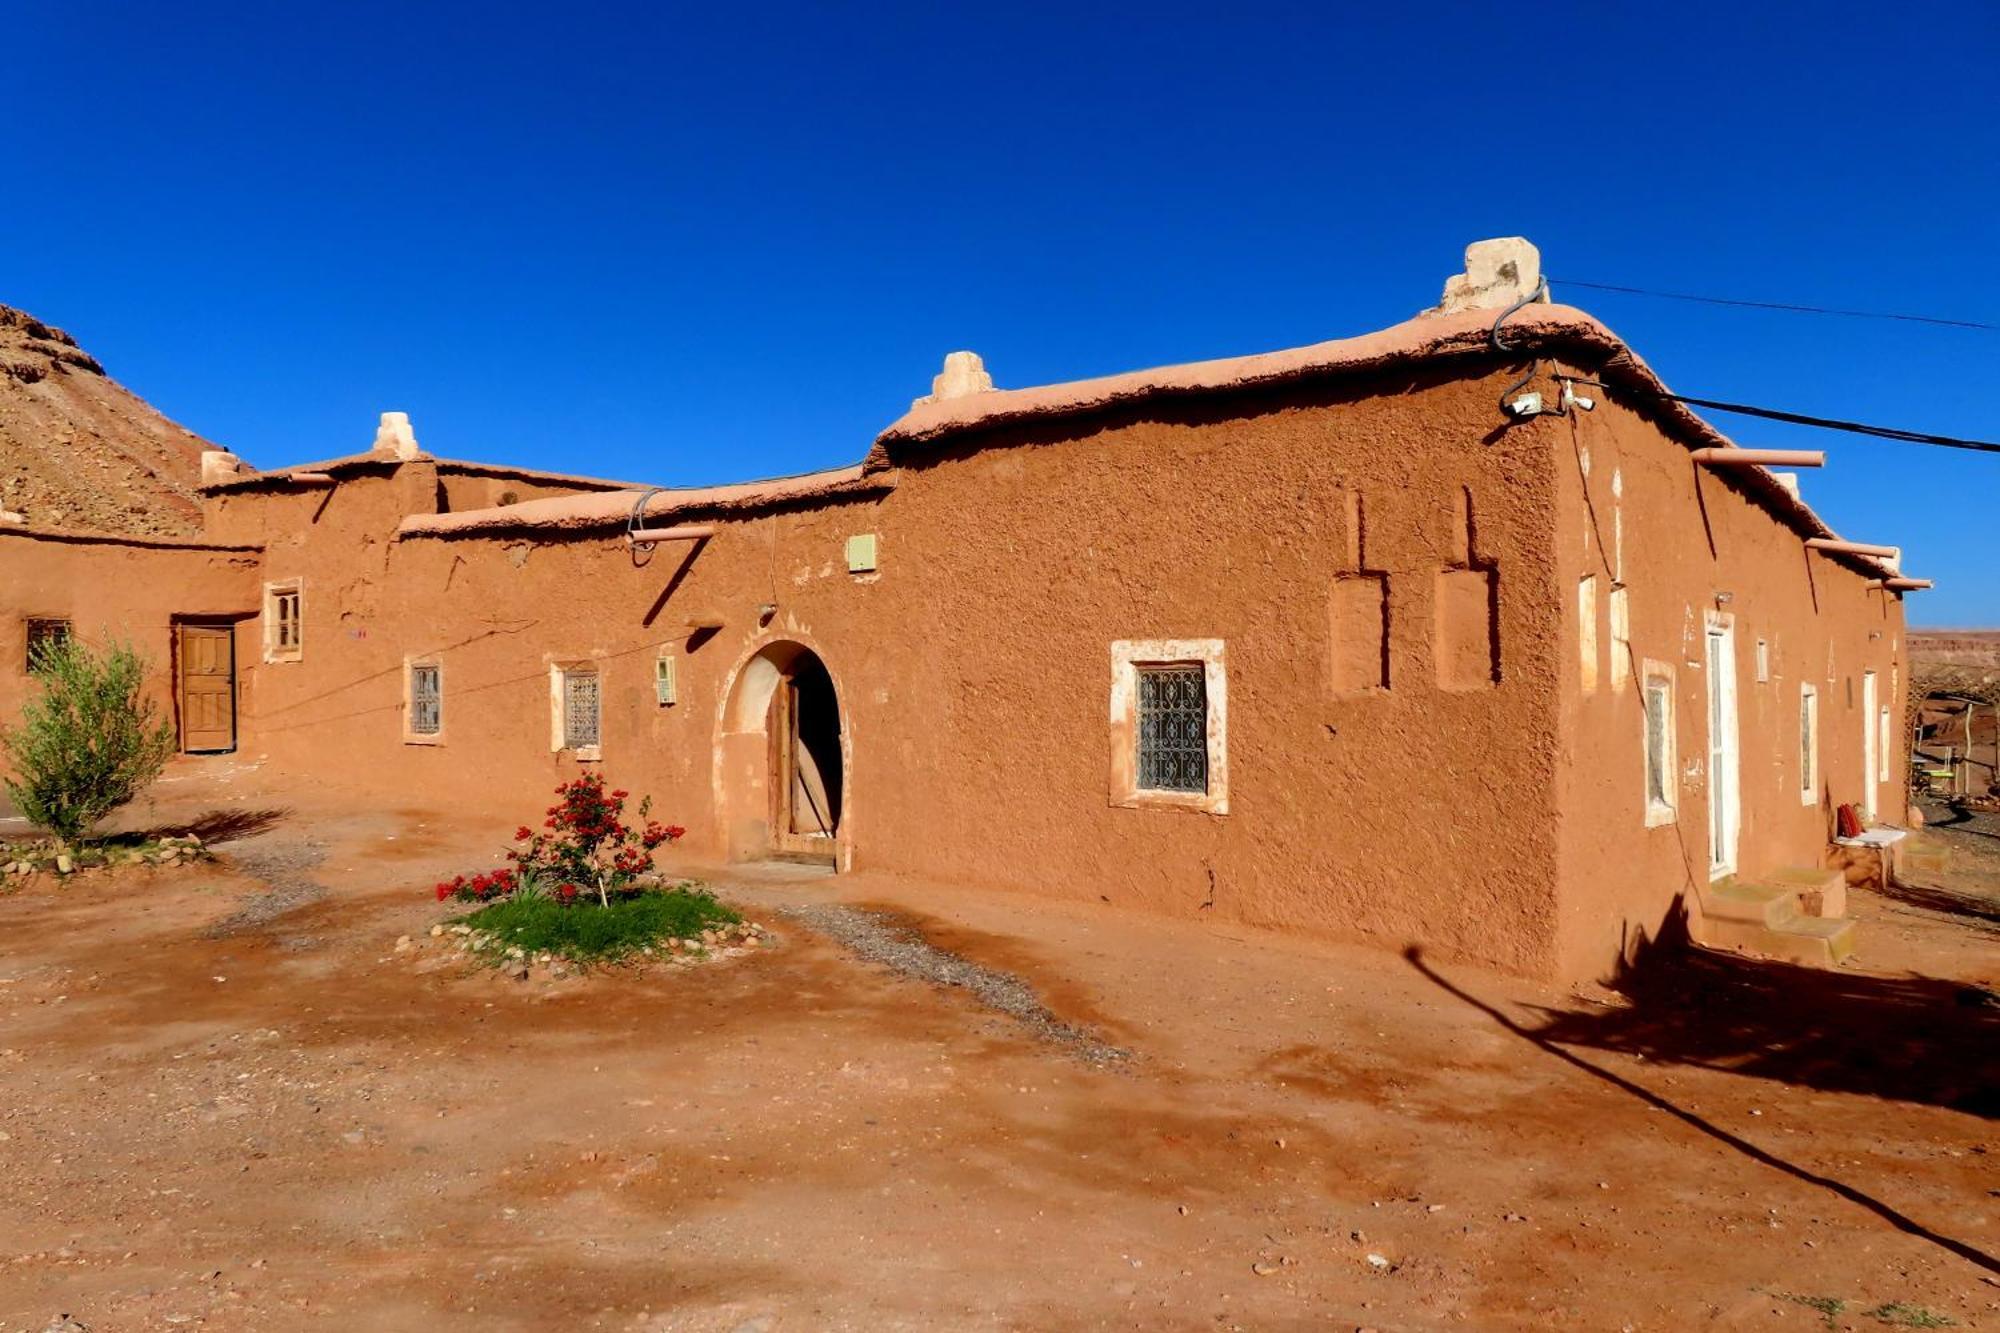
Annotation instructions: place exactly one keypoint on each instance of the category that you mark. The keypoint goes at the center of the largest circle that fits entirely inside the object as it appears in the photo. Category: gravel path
(281, 863)
(879, 938)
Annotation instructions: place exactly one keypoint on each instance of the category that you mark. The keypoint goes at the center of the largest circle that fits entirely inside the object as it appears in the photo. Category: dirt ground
(226, 1099)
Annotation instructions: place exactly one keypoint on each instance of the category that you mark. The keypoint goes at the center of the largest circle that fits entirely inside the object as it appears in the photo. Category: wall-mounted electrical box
(861, 553)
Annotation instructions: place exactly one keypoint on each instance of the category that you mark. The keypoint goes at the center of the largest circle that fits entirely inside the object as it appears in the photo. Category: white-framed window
(576, 709)
(1809, 744)
(1763, 661)
(666, 684)
(1169, 724)
(423, 701)
(284, 621)
(1657, 694)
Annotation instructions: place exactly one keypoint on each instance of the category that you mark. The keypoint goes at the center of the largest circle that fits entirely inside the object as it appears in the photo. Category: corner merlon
(964, 374)
(1498, 273)
(394, 436)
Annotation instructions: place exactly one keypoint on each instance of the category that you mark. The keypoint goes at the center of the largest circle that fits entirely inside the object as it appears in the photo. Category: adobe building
(1460, 633)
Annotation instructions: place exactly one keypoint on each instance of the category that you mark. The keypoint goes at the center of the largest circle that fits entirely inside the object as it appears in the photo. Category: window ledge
(1207, 803)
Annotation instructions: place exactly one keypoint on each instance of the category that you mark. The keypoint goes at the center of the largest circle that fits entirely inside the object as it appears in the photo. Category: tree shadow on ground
(1911, 1039)
(215, 826)
(1983, 912)
(1544, 1040)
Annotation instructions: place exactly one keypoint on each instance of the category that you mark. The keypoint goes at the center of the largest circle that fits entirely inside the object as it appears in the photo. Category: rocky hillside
(79, 451)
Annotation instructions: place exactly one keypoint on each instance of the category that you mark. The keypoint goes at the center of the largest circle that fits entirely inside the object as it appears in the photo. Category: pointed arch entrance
(782, 758)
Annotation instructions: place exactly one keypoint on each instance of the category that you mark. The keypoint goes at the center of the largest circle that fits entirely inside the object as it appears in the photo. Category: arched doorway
(783, 761)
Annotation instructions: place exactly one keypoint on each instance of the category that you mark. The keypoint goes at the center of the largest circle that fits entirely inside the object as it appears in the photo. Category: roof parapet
(964, 374)
(1500, 272)
(219, 465)
(394, 436)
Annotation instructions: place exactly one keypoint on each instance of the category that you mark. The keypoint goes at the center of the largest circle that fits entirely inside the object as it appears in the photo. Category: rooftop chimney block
(1498, 273)
(219, 465)
(964, 374)
(394, 436)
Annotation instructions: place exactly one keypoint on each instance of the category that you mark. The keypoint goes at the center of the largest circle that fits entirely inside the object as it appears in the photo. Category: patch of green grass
(1829, 1307)
(585, 932)
(1909, 1316)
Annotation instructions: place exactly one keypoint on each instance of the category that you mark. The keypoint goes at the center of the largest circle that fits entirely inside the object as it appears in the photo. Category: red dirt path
(298, 1127)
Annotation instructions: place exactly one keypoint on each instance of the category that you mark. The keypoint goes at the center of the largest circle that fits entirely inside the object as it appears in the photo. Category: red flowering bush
(479, 888)
(584, 847)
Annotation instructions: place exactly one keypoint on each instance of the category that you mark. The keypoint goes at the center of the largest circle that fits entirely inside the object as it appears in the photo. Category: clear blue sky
(683, 244)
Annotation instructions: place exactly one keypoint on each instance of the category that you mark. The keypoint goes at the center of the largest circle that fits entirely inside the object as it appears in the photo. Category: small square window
(1173, 728)
(426, 702)
(284, 622)
(1169, 713)
(579, 698)
(45, 635)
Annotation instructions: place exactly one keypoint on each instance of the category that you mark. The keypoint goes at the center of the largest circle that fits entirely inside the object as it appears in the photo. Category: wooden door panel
(207, 687)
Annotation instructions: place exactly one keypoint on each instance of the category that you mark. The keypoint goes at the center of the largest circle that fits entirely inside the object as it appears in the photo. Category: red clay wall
(975, 667)
(128, 588)
(1634, 506)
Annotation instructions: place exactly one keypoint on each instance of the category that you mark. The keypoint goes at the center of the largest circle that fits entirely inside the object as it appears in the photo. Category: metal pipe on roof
(1854, 548)
(687, 532)
(1900, 584)
(1761, 457)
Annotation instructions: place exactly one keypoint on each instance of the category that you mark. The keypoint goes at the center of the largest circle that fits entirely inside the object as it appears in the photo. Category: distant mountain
(77, 450)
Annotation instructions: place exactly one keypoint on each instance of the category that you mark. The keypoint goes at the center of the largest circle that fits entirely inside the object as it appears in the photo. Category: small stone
(1514, 1217)
(436, 931)
(64, 865)
(403, 943)
(1433, 1207)
(1263, 1270)
(1379, 1261)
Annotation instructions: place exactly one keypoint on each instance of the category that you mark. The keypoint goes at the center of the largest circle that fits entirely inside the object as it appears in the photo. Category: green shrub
(88, 742)
(590, 932)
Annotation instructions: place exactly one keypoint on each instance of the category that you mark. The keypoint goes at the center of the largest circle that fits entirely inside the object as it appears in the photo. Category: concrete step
(1813, 941)
(1820, 892)
(1751, 902)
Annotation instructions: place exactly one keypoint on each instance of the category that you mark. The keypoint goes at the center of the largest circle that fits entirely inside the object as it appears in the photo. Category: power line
(1830, 423)
(1781, 305)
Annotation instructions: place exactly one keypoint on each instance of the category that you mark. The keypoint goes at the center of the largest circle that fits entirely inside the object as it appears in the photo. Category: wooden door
(800, 823)
(1871, 757)
(1725, 810)
(207, 688)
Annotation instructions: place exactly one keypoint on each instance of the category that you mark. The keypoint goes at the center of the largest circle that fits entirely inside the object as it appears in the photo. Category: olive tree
(89, 739)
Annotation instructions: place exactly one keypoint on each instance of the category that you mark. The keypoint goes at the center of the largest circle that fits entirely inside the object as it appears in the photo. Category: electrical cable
(1830, 423)
(1541, 293)
(1781, 305)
